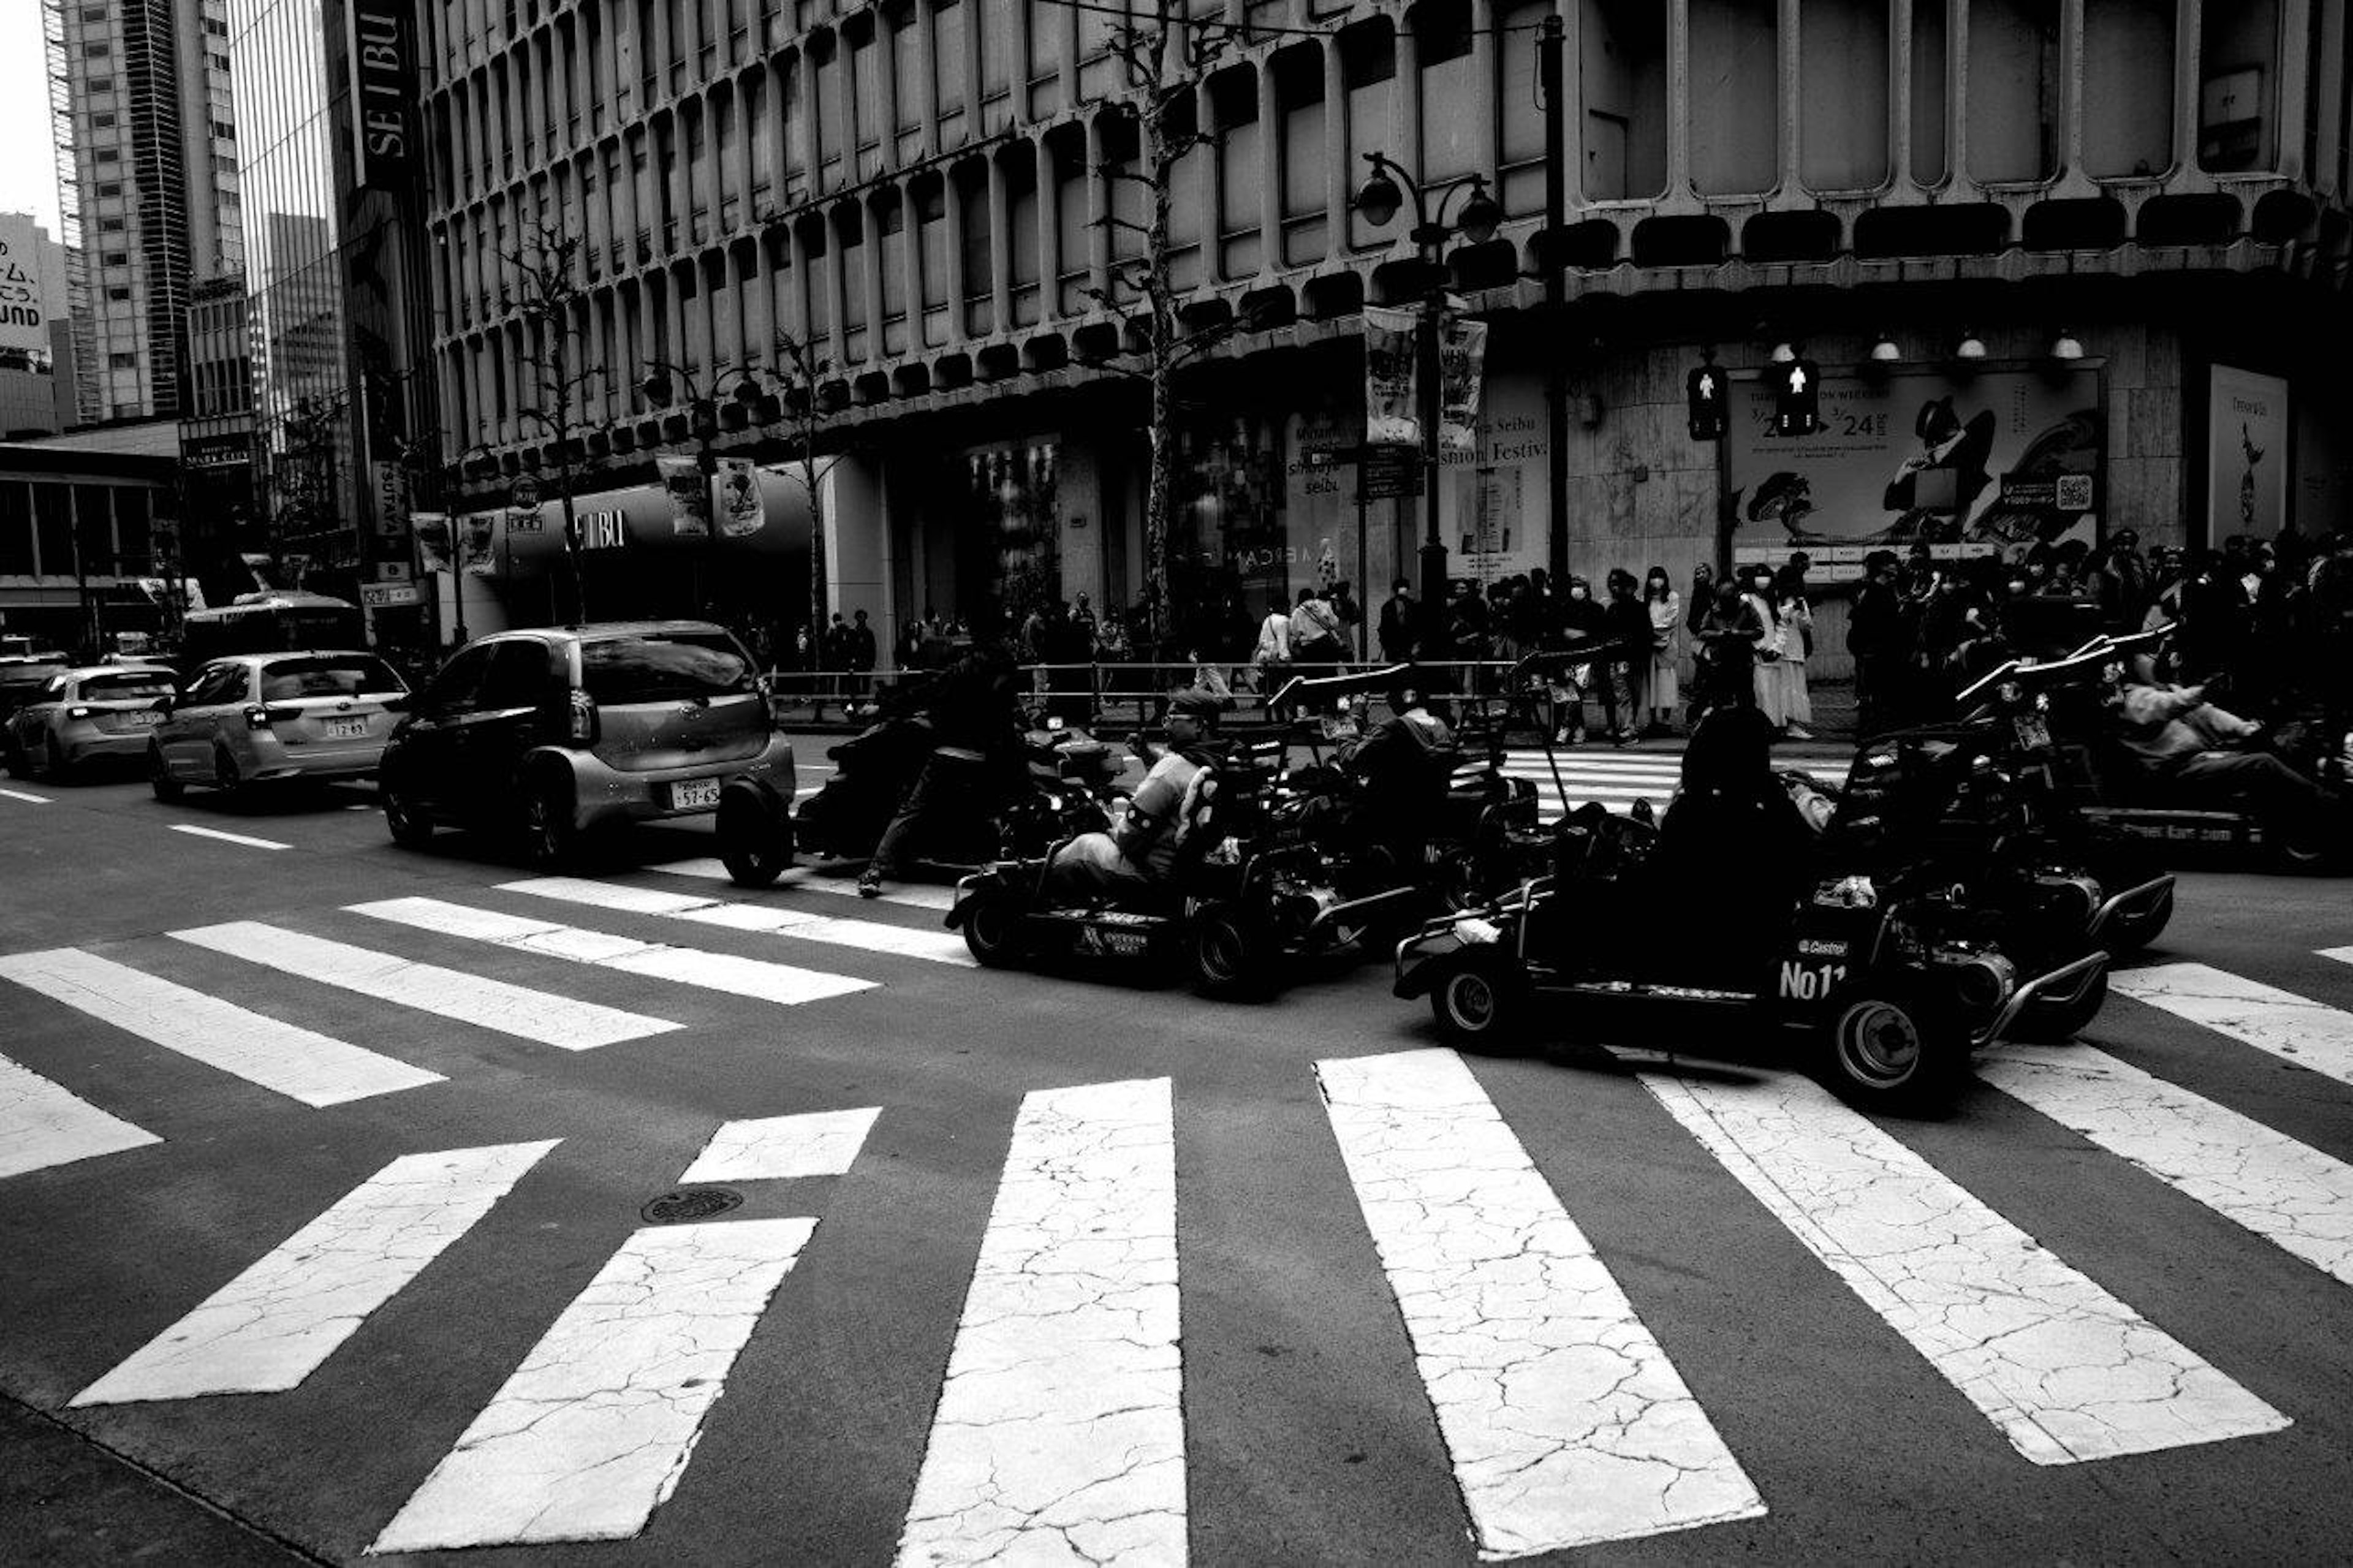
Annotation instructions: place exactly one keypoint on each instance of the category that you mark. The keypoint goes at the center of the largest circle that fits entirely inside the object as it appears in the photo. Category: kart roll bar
(1288, 696)
(1552, 661)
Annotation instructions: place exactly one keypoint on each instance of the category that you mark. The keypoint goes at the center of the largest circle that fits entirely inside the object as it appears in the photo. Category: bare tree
(799, 374)
(1163, 53)
(546, 272)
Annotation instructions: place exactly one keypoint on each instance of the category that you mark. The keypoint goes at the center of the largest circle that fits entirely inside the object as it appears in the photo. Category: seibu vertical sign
(384, 96)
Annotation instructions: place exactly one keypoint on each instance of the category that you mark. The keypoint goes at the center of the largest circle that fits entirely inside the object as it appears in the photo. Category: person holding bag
(1666, 611)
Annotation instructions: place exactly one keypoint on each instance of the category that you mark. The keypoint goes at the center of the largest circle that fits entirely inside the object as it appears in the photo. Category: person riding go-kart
(1728, 904)
(1215, 858)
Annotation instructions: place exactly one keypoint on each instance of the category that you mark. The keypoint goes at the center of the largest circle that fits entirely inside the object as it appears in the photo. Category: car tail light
(257, 718)
(80, 711)
(582, 728)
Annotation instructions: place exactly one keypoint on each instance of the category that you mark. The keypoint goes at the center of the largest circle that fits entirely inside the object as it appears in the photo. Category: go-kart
(1267, 872)
(1893, 975)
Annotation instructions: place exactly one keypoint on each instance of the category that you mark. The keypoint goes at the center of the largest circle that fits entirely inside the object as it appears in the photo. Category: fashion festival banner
(1392, 404)
(1990, 463)
(741, 509)
(433, 542)
(690, 496)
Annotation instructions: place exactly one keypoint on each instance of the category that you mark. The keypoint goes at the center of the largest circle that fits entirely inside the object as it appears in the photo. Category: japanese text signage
(27, 297)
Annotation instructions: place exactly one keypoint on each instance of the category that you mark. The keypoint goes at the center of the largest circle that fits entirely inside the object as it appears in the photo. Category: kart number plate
(1125, 943)
(693, 794)
(346, 729)
(2033, 734)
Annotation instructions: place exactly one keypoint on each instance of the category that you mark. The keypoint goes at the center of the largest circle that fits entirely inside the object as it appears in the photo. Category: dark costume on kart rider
(2205, 751)
(1733, 849)
(1141, 847)
(976, 728)
(1401, 766)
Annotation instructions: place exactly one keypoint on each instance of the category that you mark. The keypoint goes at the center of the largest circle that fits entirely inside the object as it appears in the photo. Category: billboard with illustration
(2246, 454)
(1990, 463)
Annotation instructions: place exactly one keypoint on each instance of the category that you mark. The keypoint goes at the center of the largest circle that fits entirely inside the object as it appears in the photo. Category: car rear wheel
(1892, 1048)
(159, 776)
(411, 828)
(755, 850)
(551, 839)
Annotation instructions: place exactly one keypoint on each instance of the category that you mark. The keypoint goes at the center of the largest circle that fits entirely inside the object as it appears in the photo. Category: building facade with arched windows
(1924, 197)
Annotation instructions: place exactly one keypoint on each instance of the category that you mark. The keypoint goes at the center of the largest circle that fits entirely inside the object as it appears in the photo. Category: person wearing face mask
(1725, 654)
(1626, 623)
(1665, 609)
(1757, 594)
(1581, 619)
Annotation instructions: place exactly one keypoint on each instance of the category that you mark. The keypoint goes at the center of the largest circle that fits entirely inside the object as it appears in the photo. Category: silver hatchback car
(258, 717)
(83, 716)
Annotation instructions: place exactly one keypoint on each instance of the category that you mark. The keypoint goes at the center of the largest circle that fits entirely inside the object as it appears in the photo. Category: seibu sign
(384, 98)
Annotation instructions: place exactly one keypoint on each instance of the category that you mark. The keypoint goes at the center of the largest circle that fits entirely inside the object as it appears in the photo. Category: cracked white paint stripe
(2066, 1371)
(1566, 1422)
(44, 1124)
(272, 1326)
(780, 1148)
(1060, 1435)
(596, 1425)
(867, 936)
(314, 1068)
(786, 985)
(2280, 1021)
(552, 1020)
(2286, 1192)
(914, 895)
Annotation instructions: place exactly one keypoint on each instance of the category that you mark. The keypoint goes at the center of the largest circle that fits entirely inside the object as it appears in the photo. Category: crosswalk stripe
(1566, 1423)
(549, 1019)
(44, 1124)
(1060, 1433)
(2066, 1371)
(273, 1325)
(787, 985)
(2289, 1027)
(594, 1428)
(774, 919)
(314, 1068)
(781, 1148)
(245, 838)
(2283, 1191)
(915, 896)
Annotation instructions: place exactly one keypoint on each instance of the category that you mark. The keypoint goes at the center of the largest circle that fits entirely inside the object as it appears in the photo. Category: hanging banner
(390, 491)
(1462, 367)
(433, 541)
(1392, 406)
(478, 543)
(2246, 454)
(690, 496)
(740, 508)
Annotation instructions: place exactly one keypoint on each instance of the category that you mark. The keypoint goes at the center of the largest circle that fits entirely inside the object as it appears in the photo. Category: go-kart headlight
(2009, 692)
(1847, 893)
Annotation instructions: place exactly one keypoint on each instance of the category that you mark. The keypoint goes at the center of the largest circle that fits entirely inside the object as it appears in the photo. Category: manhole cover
(688, 1204)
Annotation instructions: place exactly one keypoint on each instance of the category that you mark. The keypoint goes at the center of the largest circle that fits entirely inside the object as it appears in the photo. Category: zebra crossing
(1567, 779)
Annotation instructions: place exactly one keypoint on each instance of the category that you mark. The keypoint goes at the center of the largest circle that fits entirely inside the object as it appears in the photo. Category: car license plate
(346, 729)
(146, 718)
(2033, 734)
(692, 795)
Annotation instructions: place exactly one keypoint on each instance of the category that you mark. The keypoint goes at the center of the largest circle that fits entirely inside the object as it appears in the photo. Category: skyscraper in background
(147, 188)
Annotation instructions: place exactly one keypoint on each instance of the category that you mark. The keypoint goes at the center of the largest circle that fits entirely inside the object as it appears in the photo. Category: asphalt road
(1135, 1274)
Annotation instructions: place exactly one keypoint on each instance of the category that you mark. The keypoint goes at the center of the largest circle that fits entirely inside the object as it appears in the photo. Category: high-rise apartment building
(147, 183)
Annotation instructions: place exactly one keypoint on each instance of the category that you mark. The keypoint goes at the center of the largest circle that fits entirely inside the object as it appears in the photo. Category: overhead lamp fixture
(2066, 345)
(1784, 353)
(1970, 347)
(1884, 351)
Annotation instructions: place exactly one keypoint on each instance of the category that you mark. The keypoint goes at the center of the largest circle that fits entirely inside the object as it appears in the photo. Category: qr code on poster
(2074, 492)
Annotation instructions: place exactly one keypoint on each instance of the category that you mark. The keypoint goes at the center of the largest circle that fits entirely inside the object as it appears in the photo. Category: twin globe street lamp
(1384, 193)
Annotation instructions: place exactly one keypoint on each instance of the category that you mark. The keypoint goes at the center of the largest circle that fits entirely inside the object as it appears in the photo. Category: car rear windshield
(31, 672)
(288, 680)
(670, 667)
(128, 686)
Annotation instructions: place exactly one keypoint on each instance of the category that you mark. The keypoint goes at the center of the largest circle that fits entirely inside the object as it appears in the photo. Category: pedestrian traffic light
(1797, 399)
(1705, 388)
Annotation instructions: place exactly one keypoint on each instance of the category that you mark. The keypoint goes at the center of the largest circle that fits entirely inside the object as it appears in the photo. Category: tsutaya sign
(384, 100)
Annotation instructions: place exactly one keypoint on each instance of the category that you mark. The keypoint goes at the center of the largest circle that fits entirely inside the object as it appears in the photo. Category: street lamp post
(662, 382)
(458, 542)
(1384, 192)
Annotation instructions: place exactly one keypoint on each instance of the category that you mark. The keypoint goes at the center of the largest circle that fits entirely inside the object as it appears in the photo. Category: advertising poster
(26, 294)
(433, 542)
(478, 543)
(2246, 454)
(1392, 404)
(1462, 367)
(741, 511)
(690, 496)
(1989, 464)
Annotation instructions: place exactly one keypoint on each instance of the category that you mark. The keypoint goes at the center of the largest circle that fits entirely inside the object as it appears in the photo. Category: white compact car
(78, 717)
(261, 717)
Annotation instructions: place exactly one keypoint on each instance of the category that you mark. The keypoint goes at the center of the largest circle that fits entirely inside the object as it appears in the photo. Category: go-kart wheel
(1480, 1006)
(1226, 960)
(756, 850)
(992, 929)
(2302, 847)
(2051, 1023)
(1892, 1047)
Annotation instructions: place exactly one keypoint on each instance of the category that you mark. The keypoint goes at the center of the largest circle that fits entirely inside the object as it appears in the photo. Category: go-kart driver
(2205, 751)
(1401, 766)
(975, 731)
(1140, 848)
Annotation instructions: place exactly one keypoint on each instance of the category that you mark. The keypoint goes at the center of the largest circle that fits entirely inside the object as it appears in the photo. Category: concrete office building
(2064, 267)
(147, 183)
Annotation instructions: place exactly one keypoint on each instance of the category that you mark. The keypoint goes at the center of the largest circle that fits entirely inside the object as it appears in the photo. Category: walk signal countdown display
(1709, 391)
(1797, 397)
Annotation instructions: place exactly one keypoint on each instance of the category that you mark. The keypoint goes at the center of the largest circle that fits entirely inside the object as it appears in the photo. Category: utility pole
(1548, 72)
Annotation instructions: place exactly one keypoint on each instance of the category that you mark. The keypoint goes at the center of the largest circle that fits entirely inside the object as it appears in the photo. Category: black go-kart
(1894, 976)
(1272, 869)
